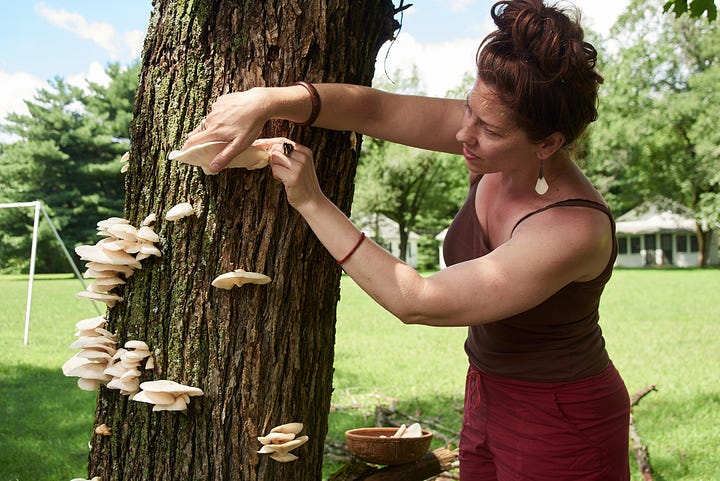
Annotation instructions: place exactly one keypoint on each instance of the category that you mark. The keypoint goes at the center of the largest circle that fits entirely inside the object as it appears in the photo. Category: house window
(694, 244)
(635, 245)
(681, 243)
(622, 245)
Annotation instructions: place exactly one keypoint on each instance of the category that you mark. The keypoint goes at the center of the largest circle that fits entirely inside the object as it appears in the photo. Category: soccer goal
(39, 208)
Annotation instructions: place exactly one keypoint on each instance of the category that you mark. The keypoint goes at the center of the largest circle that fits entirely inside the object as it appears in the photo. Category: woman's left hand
(292, 164)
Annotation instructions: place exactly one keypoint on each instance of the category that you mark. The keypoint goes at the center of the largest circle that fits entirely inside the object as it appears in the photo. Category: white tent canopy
(37, 205)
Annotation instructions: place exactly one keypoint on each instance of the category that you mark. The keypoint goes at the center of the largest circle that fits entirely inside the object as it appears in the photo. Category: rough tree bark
(262, 354)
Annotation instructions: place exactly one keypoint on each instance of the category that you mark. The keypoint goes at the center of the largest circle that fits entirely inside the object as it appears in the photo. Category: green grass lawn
(662, 327)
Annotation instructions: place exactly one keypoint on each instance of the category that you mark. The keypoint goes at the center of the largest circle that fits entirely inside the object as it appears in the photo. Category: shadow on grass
(46, 424)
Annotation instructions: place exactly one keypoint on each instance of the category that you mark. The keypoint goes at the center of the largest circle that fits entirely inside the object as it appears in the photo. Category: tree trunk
(263, 355)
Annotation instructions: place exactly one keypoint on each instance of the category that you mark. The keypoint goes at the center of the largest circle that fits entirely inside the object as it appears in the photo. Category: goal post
(38, 206)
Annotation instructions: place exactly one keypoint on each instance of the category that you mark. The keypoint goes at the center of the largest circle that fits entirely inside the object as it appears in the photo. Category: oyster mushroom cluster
(118, 254)
(281, 440)
(166, 395)
(124, 365)
(97, 346)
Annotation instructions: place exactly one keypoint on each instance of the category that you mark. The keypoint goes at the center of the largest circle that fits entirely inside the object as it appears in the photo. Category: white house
(650, 235)
(385, 232)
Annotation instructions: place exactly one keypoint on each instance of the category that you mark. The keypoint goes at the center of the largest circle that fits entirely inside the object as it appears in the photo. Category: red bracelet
(314, 100)
(352, 251)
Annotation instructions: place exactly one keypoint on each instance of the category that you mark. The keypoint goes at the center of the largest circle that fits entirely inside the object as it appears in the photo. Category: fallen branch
(640, 451)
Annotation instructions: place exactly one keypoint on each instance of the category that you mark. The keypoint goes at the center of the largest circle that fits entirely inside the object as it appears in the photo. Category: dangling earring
(541, 186)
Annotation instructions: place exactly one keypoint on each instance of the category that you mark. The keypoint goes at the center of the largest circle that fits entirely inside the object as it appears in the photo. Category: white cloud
(441, 66)
(119, 46)
(16, 87)
(102, 34)
(600, 16)
(95, 73)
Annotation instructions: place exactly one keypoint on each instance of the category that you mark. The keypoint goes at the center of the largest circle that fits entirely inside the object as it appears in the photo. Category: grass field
(661, 328)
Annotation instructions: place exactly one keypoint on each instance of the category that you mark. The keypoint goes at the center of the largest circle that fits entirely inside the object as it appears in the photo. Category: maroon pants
(534, 431)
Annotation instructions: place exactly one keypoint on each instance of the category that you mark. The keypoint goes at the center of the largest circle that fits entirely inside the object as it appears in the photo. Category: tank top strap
(570, 203)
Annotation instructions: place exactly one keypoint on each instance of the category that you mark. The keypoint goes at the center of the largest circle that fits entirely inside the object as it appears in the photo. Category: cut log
(431, 464)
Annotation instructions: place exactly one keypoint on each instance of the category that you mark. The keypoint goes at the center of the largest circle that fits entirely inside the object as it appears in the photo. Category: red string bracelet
(314, 100)
(352, 251)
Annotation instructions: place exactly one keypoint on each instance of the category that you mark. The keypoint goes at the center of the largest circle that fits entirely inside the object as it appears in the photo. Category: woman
(529, 253)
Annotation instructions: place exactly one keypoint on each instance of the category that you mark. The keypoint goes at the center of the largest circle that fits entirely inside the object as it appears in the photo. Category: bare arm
(516, 276)
(424, 122)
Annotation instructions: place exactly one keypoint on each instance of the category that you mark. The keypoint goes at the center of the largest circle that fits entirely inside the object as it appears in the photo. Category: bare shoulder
(578, 238)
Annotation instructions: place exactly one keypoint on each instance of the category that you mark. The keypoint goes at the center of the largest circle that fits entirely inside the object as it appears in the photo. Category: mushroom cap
(292, 428)
(111, 244)
(283, 457)
(97, 342)
(155, 397)
(284, 447)
(135, 344)
(104, 224)
(148, 234)
(202, 154)
(276, 438)
(149, 219)
(149, 249)
(87, 369)
(109, 299)
(93, 268)
(178, 405)
(123, 231)
(130, 384)
(164, 385)
(94, 355)
(90, 323)
(239, 277)
(96, 253)
(179, 211)
(88, 384)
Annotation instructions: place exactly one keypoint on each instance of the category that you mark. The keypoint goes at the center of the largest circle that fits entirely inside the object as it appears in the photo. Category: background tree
(651, 140)
(263, 355)
(68, 157)
(419, 190)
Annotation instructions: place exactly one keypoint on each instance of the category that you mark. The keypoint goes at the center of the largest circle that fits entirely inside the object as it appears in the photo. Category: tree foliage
(696, 8)
(659, 97)
(419, 190)
(68, 156)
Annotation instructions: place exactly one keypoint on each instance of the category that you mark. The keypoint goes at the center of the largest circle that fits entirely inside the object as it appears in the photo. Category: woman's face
(492, 141)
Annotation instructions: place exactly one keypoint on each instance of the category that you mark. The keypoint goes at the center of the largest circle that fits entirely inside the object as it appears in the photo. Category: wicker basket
(368, 445)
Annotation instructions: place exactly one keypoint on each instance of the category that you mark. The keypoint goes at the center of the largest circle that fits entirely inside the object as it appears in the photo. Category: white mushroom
(179, 211)
(202, 154)
(276, 438)
(123, 231)
(148, 220)
(292, 428)
(109, 299)
(281, 441)
(239, 277)
(148, 234)
(104, 256)
(166, 395)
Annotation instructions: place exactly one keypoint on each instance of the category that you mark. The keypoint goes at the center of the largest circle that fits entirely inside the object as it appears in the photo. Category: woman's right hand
(237, 118)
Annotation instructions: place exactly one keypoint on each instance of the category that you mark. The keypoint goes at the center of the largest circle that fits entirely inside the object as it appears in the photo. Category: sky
(76, 39)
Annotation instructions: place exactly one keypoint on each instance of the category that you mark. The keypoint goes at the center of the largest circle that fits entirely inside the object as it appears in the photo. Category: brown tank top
(556, 341)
